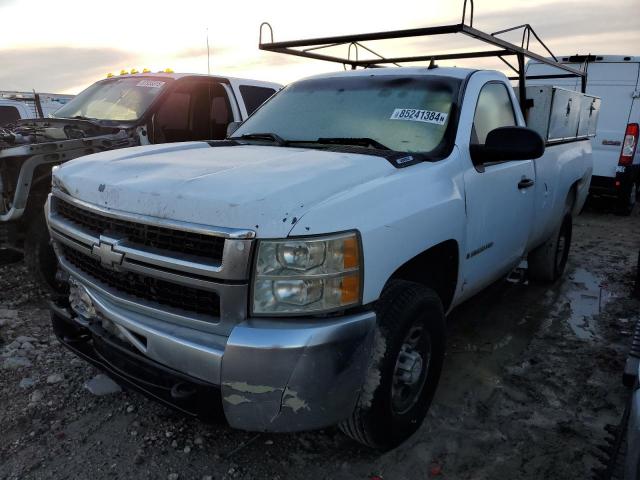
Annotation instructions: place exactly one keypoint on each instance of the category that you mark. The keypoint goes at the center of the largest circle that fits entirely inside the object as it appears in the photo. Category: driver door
(499, 197)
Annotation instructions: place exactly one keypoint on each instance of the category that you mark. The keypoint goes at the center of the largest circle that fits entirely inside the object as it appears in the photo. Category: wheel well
(40, 188)
(572, 197)
(436, 268)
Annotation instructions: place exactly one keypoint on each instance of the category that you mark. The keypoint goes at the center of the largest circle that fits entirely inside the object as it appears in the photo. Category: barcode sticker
(415, 115)
(150, 83)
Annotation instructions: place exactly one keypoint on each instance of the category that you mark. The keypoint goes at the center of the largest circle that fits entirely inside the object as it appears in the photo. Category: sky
(63, 46)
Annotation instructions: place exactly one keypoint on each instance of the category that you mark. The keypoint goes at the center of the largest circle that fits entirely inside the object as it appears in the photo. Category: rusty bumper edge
(295, 374)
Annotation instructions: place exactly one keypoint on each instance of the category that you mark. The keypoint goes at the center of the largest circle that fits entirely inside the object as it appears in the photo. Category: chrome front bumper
(273, 374)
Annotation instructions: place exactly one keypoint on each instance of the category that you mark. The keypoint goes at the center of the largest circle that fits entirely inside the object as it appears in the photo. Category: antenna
(208, 55)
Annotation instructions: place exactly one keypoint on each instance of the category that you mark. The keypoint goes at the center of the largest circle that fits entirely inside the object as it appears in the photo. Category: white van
(616, 158)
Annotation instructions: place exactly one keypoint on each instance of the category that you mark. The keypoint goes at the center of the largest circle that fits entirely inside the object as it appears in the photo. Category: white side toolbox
(556, 113)
(589, 112)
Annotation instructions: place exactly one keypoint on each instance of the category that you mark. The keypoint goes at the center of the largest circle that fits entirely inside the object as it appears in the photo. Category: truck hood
(262, 188)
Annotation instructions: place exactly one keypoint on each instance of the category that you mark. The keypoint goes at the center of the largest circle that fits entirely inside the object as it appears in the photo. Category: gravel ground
(532, 375)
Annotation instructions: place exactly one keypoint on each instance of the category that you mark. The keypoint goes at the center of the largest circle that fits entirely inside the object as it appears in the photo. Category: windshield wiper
(358, 141)
(274, 137)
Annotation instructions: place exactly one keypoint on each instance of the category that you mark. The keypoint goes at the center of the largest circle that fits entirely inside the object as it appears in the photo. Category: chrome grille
(134, 261)
(168, 239)
(146, 288)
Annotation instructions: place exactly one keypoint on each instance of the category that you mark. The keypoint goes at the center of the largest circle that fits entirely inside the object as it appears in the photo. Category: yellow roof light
(124, 72)
(134, 71)
(168, 70)
(146, 70)
(109, 75)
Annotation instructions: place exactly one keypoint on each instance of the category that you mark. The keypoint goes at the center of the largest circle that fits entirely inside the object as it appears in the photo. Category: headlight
(307, 275)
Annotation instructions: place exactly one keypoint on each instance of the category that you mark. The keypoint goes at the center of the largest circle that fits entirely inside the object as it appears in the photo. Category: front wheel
(548, 262)
(40, 258)
(406, 366)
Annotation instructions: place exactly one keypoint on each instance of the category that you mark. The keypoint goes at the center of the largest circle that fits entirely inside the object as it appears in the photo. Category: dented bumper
(278, 375)
(290, 375)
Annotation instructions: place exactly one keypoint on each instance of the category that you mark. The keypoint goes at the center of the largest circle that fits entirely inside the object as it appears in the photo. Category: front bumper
(278, 375)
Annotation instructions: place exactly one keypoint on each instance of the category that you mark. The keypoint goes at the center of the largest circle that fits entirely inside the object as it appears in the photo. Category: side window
(8, 114)
(253, 97)
(494, 110)
(194, 110)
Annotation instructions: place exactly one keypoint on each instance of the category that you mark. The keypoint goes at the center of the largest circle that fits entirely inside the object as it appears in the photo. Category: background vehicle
(301, 270)
(38, 105)
(616, 158)
(11, 110)
(117, 112)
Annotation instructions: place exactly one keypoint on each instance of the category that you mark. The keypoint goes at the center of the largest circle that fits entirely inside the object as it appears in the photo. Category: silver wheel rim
(410, 372)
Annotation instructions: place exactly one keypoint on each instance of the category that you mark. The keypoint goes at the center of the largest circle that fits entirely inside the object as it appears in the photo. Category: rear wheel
(637, 290)
(627, 200)
(408, 363)
(548, 262)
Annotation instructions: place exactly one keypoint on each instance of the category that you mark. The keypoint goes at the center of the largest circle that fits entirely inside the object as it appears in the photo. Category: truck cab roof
(451, 72)
(178, 76)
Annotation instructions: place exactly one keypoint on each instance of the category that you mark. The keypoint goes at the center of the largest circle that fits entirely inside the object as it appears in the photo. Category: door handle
(525, 183)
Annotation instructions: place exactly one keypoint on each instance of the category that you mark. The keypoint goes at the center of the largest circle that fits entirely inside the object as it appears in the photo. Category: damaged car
(117, 112)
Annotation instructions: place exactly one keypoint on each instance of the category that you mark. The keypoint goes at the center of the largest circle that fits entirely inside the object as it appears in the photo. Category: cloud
(561, 20)
(202, 52)
(565, 27)
(57, 69)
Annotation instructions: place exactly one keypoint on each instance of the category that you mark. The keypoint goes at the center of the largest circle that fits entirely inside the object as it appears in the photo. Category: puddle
(587, 297)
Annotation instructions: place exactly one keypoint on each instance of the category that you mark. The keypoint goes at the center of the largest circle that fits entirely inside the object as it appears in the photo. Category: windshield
(406, 114)
(117, 99)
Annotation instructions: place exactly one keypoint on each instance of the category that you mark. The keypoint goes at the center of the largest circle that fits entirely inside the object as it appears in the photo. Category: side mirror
(232, 127)
(508, 143)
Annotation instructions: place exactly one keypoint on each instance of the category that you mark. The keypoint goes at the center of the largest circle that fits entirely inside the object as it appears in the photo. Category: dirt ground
(531, 377)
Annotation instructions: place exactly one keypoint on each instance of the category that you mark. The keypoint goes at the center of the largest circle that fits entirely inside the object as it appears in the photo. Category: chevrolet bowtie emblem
(109, 258)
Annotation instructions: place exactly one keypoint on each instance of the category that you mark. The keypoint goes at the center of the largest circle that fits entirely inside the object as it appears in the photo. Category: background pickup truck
(117, 112)
(12, 110)
(299, 272)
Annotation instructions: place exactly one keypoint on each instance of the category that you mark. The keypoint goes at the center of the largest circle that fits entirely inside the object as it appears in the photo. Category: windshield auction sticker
(414, 115)
(150, 83)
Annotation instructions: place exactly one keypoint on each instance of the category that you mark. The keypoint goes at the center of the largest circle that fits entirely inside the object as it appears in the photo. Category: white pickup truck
(299, 272)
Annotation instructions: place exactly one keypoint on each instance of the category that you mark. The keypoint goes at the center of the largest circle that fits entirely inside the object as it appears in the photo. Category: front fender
(398, 216)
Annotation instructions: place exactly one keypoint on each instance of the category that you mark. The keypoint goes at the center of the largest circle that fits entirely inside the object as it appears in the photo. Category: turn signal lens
(350, 289)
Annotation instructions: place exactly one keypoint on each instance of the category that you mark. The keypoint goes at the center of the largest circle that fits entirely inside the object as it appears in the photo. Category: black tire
(627, 200)
(40, 258)
(548, 262)
(390, 409)
(637, 289)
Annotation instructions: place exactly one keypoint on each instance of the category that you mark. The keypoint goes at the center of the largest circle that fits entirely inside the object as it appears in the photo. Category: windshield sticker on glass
(414, 115)
(150, 83)
(403, 160)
